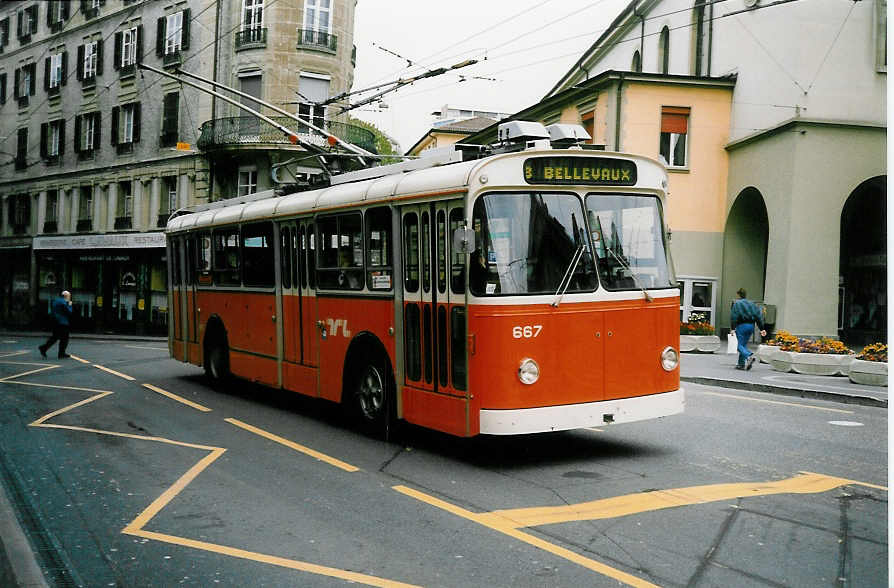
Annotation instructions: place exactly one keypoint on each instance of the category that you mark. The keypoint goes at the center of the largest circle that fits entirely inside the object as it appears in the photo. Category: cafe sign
(123, 241)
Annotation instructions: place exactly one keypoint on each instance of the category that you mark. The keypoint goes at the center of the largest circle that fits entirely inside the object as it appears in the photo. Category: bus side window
(378, 249)
(341, 252)
(257, 255)
(175, 261)
(426, 253)
(226, 256)
(191, 259)
(311, 256)
(285, 256)
(411, 252)
(457, 258)
(203, 259)
(442, 253)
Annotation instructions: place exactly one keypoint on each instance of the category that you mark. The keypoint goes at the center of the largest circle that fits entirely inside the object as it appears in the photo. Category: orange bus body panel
(299, 378)
(440, 412)
(291, 329)
(177, 349)
(587, 352)
(254, 367)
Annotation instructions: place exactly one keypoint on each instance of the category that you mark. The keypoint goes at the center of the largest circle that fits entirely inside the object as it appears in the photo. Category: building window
(3, 88)
(21, 149)
(20, 213)
(50, 223)
(881, 35)
(637, 63)
(90, 8)
(664, 50)
(170, 120)
(313, 90)
(588, 120)
(252, 14)
(26, 23)
(698, 38)
(4, 33)
(697, 299)
(85, 209)
(52, 140)
(248, 181)
(124, 206)
(90, 61)
(126, 126)
(55, 71)
(674, 133)
(57, 14)
(128, 49)
(168, 202)
(25, 83)
(318, 24)
(87, 133)
(173, 35)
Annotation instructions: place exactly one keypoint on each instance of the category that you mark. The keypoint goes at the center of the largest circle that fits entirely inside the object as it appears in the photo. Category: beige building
(96, 153)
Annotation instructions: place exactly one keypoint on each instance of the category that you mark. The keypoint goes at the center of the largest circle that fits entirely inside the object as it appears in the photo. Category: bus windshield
(526, 243)
(627, 236)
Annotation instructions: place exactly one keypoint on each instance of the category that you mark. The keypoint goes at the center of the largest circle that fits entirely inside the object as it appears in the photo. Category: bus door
(289, 325)
(434, 318)
(177, 303)
(192, 308)
(307, 272)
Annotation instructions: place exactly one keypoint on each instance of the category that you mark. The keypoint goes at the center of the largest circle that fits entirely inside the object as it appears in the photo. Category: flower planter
(869, 373)
(699, 343)
(814, 364)
(765, 351)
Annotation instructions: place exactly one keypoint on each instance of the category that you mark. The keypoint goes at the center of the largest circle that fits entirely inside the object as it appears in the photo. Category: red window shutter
(674, 119)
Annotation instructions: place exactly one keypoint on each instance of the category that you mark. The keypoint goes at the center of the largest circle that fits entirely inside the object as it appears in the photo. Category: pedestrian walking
(743, 317)
(61, 325)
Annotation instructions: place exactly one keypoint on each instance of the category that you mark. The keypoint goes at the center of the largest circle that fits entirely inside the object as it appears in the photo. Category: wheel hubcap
(371, 393)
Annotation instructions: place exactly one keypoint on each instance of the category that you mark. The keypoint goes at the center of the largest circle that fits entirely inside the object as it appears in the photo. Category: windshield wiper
(569, 273)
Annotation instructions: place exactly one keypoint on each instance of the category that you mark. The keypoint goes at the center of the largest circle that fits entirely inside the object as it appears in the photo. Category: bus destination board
(593, 171)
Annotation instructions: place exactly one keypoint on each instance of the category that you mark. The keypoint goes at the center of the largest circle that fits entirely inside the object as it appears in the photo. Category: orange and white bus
(521, 292)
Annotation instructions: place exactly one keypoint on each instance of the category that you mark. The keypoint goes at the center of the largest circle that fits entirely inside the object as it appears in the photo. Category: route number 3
(526, 331)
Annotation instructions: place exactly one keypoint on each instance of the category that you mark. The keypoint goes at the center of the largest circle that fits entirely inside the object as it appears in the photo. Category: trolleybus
(520, 292)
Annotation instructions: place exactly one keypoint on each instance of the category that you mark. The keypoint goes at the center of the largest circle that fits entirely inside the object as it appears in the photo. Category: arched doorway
(745, 250)
(863, 284)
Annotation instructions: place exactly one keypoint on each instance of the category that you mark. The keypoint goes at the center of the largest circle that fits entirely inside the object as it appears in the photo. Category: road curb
(795, 392)
(18, 565)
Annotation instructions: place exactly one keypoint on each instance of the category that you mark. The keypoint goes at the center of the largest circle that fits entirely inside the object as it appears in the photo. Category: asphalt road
(127, 470)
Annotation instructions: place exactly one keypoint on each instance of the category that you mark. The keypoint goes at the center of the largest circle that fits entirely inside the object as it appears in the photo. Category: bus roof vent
(521, 131)
(564, 135)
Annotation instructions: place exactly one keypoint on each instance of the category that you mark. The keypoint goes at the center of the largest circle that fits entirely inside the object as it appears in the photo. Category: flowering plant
(875, 352)
(697, 325)
(788, 342)
(783, 338)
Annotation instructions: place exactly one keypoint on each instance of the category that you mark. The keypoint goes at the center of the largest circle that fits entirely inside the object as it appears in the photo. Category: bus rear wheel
(217, 368)
(373, 398)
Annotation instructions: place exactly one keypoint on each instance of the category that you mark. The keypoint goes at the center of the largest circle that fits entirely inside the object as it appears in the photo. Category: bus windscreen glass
(526, 242)
(627, 235)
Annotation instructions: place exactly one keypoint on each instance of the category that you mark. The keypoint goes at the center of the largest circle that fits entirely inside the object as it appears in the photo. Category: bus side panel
(258, 330)
(291, 329)
(177, 349)
(192, 318)
(435, 411)
(253, 368)
(633, 348)
(310, 331)
(344, 319)
(299, 378)
(175, 315)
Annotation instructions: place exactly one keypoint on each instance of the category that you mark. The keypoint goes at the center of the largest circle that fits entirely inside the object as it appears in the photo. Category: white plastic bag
(732, 344)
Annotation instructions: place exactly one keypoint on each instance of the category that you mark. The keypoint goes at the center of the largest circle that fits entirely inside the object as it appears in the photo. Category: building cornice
(792, 123)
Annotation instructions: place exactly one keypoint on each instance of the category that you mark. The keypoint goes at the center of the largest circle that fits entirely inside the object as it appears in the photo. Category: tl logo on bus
(332, 326)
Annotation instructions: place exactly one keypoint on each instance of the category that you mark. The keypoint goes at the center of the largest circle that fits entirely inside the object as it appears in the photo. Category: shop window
(226, 257)
(340, 253)
(674, 135)
(257, 255)
(378, 249)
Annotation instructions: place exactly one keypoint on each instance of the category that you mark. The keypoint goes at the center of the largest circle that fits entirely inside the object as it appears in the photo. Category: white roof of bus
(424, 181)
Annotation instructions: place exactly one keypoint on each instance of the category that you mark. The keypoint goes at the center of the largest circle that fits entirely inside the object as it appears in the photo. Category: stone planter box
(765, 351)
(814, 364)
(869, 373)
(699, 343)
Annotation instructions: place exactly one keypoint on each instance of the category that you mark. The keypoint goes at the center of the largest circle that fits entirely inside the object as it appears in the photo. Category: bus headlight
(670, 359)
(528, 371)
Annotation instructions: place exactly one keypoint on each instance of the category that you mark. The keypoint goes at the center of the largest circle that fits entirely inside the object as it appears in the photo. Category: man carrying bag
(743, 317)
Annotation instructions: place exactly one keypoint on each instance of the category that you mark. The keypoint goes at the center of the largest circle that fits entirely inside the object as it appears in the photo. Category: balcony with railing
(320, 40)
(252, 38)
(237, 131)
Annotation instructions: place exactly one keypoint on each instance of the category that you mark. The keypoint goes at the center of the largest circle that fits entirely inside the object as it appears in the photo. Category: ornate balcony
(311, 39)
(251, 38)
(247, 130)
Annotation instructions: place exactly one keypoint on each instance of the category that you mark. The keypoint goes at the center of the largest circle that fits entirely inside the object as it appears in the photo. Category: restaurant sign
(123, 241)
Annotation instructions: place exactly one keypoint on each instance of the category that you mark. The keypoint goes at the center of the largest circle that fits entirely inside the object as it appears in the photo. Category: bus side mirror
(464, 240)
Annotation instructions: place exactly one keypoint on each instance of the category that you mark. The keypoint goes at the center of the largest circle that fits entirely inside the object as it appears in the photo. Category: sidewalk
(94, 336)
(718, 369)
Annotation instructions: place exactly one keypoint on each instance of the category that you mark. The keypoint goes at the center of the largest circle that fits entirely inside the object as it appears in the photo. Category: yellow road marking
(12, 353)
(40, 422)
(173, 396)
(511, 531)
(28, 373)
(144, 347)
(797, 404)
(291, 444)
(857, 482)
(113, 372)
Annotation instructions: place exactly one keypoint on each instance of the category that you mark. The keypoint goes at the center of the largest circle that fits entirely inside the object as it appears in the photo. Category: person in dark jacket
(744, 315)
(61, 325)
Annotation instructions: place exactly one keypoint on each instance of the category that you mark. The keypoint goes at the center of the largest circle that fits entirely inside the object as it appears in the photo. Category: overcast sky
(523, 47)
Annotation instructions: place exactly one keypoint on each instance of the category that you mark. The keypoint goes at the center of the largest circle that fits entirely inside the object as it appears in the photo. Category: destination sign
(593, 171)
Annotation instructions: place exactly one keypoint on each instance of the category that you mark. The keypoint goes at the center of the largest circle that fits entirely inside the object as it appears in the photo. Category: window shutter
(61, 137)
(99, 57)
(19, 17)
(136, 122)
(33, 68)
(674, 119)
(97, 134)
(171, 108)
(64, 68)
(160, 37)
(46, 73)
(80, 65)
(43, 140)
(184, 43)
(51, 10)
(22, 148)
(117, 63)
(33, 10)
(115, 114)
(140, 44)
(66, 10)
(85, 6)
(77, 137)
(3, 88)
(15, 87)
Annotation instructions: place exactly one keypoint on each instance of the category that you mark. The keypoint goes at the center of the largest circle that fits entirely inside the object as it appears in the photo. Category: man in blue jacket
(744, 315)
(61, 326)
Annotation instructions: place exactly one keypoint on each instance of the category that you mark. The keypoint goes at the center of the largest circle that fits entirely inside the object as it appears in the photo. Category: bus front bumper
(580, 416)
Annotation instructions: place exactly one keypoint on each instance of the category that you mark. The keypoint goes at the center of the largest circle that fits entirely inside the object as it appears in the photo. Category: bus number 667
(526, 331)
